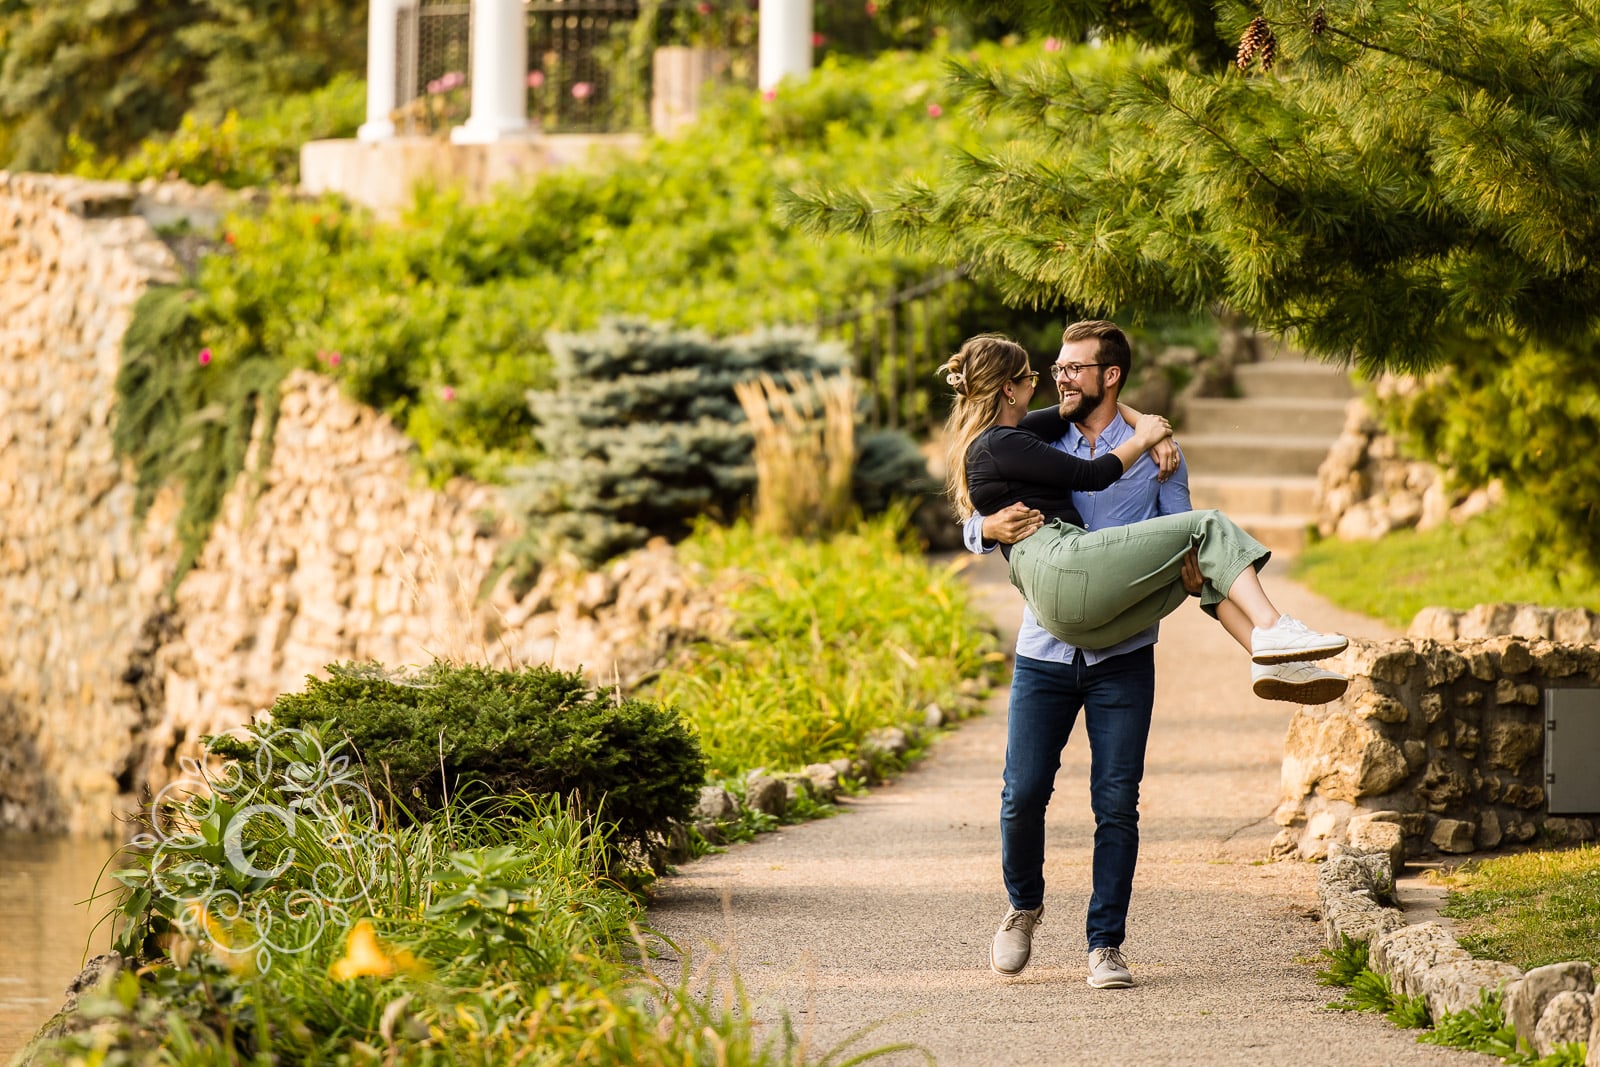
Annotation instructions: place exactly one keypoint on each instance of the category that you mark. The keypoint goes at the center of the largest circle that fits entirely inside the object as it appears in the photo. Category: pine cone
(1255, 35)
(1319, 22)
(1269, 51)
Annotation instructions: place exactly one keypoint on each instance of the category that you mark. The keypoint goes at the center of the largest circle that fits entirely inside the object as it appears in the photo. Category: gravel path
(882, 915)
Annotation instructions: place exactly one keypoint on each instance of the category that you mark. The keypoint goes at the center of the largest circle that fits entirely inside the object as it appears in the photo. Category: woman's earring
(1011, 399)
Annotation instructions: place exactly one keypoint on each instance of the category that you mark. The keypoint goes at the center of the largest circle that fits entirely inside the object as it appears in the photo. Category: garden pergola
(499, 65)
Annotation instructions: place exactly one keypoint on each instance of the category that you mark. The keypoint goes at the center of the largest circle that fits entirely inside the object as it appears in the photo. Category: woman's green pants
(1093, 590)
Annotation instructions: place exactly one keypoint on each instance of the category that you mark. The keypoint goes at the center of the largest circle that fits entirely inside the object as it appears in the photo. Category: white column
(785, 46)
(382, 42)
(499, 74)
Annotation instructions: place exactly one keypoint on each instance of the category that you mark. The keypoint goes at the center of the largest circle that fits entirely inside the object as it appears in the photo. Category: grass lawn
(1450, 566)
(1529, 909)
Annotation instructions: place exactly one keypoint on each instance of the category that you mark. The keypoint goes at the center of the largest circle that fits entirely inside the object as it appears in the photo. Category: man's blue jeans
(1116, 697)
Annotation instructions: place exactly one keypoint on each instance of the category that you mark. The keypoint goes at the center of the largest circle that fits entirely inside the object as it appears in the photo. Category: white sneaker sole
(1319, 691)
(1110, 983)
(1333, 647)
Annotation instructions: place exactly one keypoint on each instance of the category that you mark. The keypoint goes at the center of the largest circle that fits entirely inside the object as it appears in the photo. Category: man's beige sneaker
(1301, 683)
(1108, 970)
(1013, 942)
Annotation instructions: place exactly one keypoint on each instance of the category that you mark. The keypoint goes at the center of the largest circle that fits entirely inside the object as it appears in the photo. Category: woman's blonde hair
(978, 373)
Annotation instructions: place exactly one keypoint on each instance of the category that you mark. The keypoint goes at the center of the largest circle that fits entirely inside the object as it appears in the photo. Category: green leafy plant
(1481, 1028)
(1346, 962)
(1409, 1012)
(481, 734)
(1368, 991)
(833, 638)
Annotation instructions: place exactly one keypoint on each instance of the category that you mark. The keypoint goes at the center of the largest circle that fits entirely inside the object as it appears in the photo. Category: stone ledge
(1546, 1006)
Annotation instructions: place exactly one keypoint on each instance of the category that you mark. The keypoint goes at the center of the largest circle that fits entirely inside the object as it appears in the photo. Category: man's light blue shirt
(1136, 495)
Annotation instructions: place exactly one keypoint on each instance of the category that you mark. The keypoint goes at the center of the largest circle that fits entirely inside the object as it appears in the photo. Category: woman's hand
(1151, 431)
(1167, 457)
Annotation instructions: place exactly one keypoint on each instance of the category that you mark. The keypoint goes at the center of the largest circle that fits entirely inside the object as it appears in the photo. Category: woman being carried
(1093, 590)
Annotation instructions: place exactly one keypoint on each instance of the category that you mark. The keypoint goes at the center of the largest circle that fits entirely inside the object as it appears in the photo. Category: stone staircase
(1256, 456)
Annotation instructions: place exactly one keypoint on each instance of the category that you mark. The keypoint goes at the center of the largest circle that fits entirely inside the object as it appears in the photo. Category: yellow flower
(364, 956)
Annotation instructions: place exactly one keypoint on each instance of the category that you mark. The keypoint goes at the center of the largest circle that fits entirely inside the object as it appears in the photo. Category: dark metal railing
(899, 339)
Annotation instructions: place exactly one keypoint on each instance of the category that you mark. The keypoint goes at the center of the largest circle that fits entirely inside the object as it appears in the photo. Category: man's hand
(1011, 524)
(1167, 457)
(1192, 578)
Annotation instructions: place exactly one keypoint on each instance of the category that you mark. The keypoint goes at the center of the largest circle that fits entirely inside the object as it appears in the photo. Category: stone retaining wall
(1436, 747)
(334, 553)
(1547, 1006)
(1367, 488)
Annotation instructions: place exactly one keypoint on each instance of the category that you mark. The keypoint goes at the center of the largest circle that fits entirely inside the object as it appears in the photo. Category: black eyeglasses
(1062, 371)
(1032, 376)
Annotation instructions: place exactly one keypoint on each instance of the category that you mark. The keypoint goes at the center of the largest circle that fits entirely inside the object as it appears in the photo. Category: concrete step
(1285, 535)
(1265, 415)
(1306, 381)
(1253, 454)
(1243, 494)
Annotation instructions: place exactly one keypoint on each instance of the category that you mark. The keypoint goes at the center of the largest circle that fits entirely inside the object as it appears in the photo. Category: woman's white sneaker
(1290, 641)
(1301, 683)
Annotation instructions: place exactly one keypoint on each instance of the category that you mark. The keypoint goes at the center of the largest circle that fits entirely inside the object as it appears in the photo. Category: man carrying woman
(1094, 597)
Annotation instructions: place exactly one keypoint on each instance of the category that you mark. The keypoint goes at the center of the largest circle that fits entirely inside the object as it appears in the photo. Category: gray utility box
(1572, 751)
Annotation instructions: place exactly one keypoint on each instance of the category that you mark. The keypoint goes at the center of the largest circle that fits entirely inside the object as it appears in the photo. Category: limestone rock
(824, 778)
(1567, 1019)
(888, 741)
(716, 804)
(1526, 1000)
(1454, 835)
(1433, 624)
(1454, 986)
(1371, 833)
(1406, 954)
(767, 795)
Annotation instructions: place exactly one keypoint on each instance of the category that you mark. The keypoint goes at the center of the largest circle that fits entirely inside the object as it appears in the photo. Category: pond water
(45, 925)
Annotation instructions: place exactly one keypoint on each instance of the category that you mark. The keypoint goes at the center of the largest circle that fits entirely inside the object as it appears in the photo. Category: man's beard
(1075, 409)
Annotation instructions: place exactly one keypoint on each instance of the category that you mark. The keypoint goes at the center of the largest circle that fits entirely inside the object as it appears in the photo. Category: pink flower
(333, 359)
(817, 40)
(703, 8)
(769, 95)
(434, 88)
(872, 9)
(451, 80)
(581, 90)
(535, 79)
(934, 111)
(205, 357)
(1052, 45)
(448, 393)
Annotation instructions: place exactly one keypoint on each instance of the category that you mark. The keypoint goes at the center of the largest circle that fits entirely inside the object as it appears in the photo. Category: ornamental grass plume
(805, 450)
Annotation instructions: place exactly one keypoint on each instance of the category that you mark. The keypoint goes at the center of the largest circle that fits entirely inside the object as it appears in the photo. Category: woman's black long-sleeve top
(1010, 464)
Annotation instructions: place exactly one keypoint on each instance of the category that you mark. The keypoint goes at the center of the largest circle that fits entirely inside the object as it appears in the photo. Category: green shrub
(1481, 1028)
(643, 434)
(833, 638)
(186, 417)
(261, 149)
(1529, 416)
(481, 733)
(491, 936)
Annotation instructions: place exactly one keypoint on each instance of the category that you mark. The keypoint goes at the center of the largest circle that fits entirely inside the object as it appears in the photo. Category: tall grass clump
(278, 912)
(833, 638)
(805, 449)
